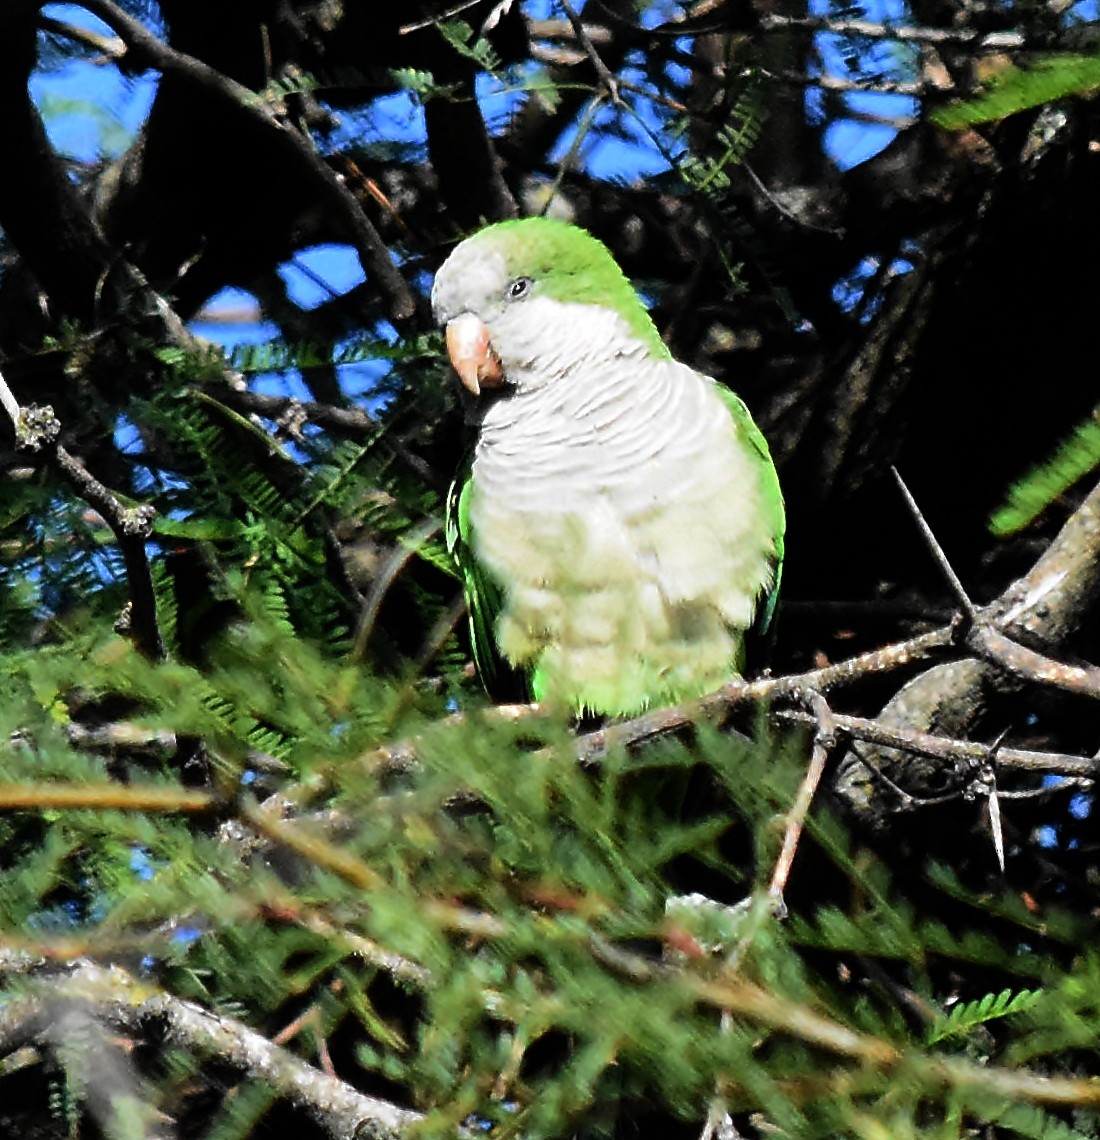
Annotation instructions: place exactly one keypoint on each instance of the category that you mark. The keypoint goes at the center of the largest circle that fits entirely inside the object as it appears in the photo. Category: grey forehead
(468, 277)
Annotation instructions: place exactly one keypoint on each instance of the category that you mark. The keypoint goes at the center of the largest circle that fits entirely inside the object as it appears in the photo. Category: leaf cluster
(1045, 80)
(489, 929)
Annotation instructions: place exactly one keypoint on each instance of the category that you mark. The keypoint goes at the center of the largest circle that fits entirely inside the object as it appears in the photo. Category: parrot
(618, 526)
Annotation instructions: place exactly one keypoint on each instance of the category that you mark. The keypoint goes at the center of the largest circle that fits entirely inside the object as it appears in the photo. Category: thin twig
(731, 991)
(905, 798)
(308, 842)
(593, 746)
(990, 643)
(1067, 783)
(969, 37)
(131, 527)
(825, 740)
(948, 571)
(104, 797)
(448, 14)
(607, 77)
(146, 50)
(352, 423)
(404, 969)
(841, 83)
(404, 551)
(37, 429)
(437, 636)
(782, 209)
(964, 753)
(584, 125)
(1044, 607)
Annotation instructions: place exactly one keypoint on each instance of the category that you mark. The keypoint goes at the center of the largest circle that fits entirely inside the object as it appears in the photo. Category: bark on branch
(143, 49)
(1041, 609)
(38, 429)
(114, 999)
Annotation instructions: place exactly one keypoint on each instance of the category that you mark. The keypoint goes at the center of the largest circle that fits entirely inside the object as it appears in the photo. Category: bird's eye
(518, 288)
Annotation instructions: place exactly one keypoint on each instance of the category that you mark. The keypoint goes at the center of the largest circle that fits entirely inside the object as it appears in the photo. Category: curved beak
(472, 356)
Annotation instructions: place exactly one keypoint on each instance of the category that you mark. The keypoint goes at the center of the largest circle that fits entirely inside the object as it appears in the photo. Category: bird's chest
(562, 470)
(568, 497)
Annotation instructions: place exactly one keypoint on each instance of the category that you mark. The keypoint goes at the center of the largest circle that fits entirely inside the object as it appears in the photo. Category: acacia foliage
(492, 933)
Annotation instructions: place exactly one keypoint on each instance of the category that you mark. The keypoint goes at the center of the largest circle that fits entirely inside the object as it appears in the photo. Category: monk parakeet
(620, 526)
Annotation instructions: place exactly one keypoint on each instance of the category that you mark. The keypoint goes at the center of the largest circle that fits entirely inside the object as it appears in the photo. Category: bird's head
(525, 301)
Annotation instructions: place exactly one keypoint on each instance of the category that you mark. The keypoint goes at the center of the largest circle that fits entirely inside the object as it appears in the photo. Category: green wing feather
(484, 598)
(773, 500)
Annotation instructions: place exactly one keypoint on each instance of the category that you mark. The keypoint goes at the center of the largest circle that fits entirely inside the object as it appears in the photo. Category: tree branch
(973, 38)
(352, 423)
(145, 50)
(1042, 608)
(115, 999)
(37, 428)
(963, 753)
(825, 740)
(607, 77)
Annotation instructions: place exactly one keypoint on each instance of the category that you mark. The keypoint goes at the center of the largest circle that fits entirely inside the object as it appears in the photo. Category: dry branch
(37, 429)
(113, 998)
(973, 38)
(1043, 608)
(143, 49)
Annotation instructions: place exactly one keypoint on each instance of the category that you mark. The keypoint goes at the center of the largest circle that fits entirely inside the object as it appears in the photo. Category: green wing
(484, 598)
(773, 499)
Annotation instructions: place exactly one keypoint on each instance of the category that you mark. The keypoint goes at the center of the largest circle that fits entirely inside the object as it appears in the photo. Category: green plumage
(619, 527)
(484, 599)
(572, 266)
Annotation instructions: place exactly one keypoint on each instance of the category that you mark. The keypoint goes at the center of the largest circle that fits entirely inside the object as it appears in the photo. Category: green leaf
(201, 529)
(1030, 1121)
(968, 1015)
(1017, 89)
(1075, 458)
(461, 37)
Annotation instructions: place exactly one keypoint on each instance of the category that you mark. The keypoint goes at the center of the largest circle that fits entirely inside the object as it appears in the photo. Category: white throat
(544, 342)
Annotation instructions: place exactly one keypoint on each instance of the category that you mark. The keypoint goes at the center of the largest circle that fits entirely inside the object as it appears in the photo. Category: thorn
(995, 801)
(957, 588)
(995, 826)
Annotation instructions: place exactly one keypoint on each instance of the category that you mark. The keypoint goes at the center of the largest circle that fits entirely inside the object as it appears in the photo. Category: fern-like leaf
(1074, 459)
(1031, 1121)
(968, 1015)
(287, 86)
(1017, 89)
(462, 38)
(279, 356)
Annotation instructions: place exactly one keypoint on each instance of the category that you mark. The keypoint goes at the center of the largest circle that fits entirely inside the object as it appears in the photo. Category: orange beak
(472, 356)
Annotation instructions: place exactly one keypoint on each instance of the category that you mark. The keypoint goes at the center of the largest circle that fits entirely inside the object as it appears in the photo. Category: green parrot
(619, 526)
